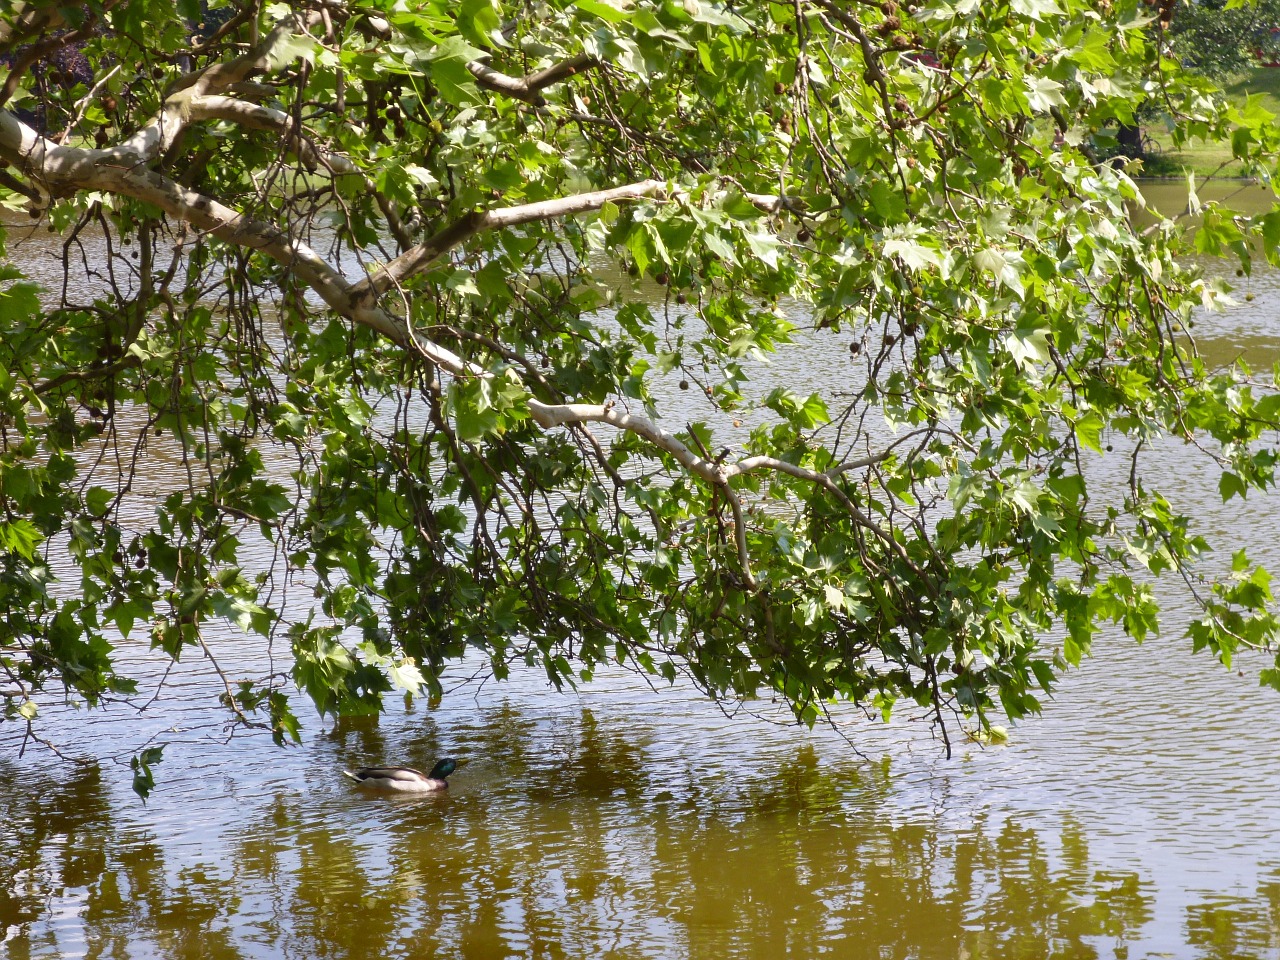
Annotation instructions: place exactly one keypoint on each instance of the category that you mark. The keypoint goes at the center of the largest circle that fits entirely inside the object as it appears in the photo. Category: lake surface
(1138, 817)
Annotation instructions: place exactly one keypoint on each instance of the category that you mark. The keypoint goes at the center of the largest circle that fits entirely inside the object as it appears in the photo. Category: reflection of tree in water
(568, 838)
(62, 856)
(48, 847)
(795, 874)
(1227, 927)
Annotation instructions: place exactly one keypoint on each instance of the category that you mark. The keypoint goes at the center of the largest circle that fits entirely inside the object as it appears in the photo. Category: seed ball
(917, 290)
(681, 299)
(901, 105)
(141, 561)
(33, 213)
(1239, 273)
(890, 339)
(855, 348)
(911, 163)
(893, 23)
(1110, 448)
(633, 270)
(684, 384)
(888, 8)
(779, 88)
(109, 104)
(901, 42)
(804, 236)
(546, 362)
(710, 391)
(1248, 297)
(663, 278)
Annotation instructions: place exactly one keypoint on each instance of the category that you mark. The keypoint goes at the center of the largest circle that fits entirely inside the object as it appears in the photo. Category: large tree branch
(529, 89)
(65, 169)
(123, 170)
(257, 117)
(156, 137)
(463, 229)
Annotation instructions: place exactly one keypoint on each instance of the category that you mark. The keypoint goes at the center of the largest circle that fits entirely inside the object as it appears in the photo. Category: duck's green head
(443, 768)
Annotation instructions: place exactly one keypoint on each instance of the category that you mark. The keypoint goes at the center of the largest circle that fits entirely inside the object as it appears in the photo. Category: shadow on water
(571, 839)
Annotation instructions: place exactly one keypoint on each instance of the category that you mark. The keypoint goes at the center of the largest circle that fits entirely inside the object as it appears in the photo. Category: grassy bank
(1212, 159)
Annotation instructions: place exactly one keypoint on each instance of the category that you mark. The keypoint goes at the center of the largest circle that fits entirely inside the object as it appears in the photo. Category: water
(1139, 817)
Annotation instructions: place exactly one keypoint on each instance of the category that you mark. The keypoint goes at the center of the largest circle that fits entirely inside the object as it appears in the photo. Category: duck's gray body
(405, 779)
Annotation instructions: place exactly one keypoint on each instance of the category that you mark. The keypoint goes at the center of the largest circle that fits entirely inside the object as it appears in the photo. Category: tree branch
(424, 254)
(715, 473)
(529, 89)
(156, 137)
(257, 117)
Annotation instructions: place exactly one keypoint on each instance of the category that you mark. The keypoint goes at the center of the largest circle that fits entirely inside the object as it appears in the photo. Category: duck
(405, 779)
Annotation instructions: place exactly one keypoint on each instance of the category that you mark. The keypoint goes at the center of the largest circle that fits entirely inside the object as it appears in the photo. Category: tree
(383, 243)
(1221, 38)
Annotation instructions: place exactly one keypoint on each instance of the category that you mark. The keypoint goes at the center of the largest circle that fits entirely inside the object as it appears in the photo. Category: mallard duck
(405, 779)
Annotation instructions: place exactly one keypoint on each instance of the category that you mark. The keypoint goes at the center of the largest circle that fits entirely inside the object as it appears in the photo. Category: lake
(1138, 817)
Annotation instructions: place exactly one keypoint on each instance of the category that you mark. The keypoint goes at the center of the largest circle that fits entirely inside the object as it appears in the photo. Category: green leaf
(1028, 347)
(291, 47)
(1088, 428)
(1230, 485)
(21, 537)
(480, 21)
(915, 255)
(143, 779)
(98, 500)
(613, 11)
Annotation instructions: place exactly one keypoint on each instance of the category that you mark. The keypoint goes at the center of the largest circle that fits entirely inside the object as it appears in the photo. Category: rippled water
(1139, 817)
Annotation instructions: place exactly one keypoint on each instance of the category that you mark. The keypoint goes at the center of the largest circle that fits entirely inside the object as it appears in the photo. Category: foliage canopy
(1220, 38)
(387, 309)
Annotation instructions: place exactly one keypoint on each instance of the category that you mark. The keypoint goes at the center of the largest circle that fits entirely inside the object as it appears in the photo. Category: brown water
(1139, 817)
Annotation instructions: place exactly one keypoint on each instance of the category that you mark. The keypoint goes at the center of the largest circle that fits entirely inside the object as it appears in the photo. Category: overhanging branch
(529, 89)
(463, 229)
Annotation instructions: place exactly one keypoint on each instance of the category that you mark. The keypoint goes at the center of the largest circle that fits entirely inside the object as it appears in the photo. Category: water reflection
(575, 838)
